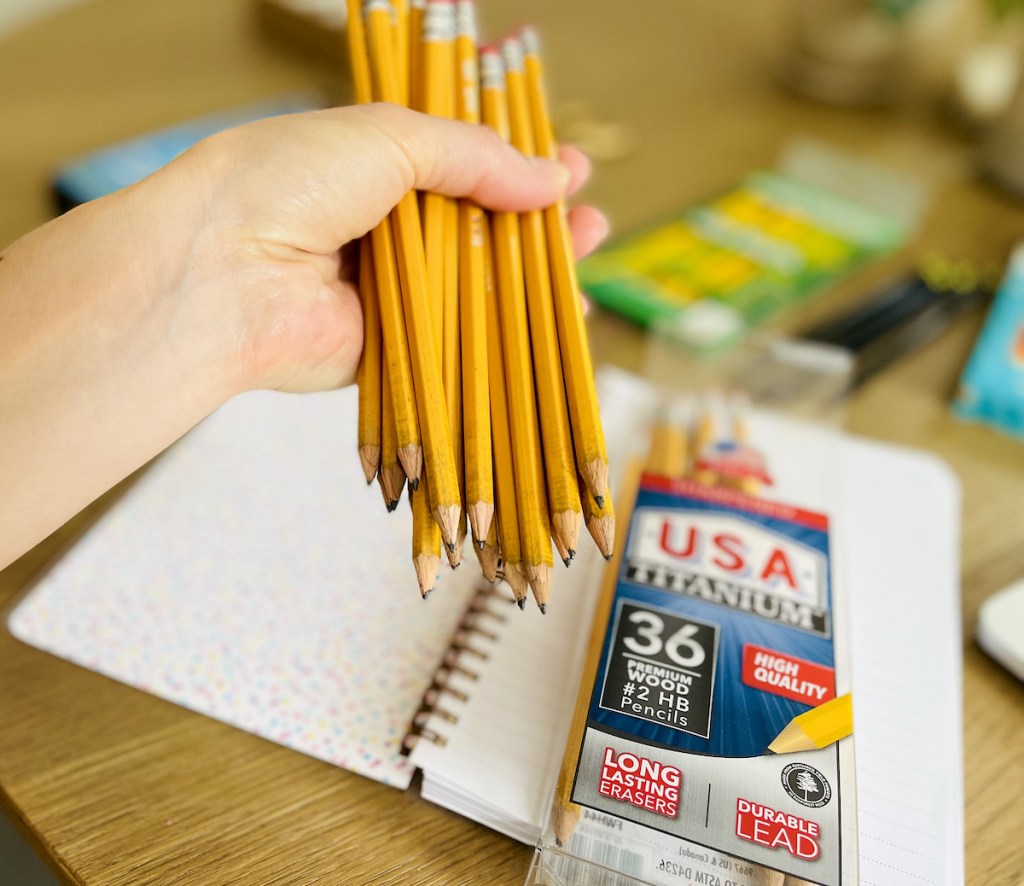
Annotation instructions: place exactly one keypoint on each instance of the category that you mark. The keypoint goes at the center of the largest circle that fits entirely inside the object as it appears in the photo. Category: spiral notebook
(250, 575)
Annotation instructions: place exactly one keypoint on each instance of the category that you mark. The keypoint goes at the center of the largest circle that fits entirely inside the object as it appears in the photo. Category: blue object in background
(110, 169)
(992, 386)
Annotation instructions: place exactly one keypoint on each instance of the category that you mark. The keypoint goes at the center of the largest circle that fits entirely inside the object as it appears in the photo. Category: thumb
(358, 162)
(460, 160)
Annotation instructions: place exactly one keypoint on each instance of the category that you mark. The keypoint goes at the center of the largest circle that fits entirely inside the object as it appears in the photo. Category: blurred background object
(677, 103)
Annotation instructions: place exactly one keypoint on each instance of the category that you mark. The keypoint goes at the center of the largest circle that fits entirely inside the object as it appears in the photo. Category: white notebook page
(251, 575)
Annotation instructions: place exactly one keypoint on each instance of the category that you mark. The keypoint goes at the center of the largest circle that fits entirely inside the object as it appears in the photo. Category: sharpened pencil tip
(456, 565)
(414, 485)
(769, 752)
(392, 505)
(521, 602)
(427, 593)
(566, 561)
(543, 608)
(572, 553)
(608, 557)
(600, 500)
(480, 544)
(451, 547)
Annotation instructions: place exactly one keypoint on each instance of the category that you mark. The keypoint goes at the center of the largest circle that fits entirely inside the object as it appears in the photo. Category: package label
(720, 634)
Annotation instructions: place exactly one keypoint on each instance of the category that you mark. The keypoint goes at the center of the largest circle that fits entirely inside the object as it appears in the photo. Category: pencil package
(712, 742)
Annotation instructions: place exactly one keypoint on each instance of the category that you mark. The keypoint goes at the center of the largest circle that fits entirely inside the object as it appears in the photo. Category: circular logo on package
(806, 785)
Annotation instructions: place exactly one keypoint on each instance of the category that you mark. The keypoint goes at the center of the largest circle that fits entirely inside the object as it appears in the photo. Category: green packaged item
(714, 271)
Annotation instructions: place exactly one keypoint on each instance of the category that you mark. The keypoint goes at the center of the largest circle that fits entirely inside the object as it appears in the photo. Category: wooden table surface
(116, 787)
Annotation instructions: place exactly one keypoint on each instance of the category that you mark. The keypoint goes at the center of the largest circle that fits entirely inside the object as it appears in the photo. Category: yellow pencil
(566, 814)
(436, 68)
(368, 376)
(426, 540)
(473, 304)
(439, 459)
(600, 521)
(739, 412)
(390, 475)
(417, 8)
(534, 523)
(559, 461)
(588, 435)
(506, 517)
(669, 441)
(440, 231)
(488, 553)
(705, 433)
(816, 728)
(392, 316)
(402, 37)
(358, 59)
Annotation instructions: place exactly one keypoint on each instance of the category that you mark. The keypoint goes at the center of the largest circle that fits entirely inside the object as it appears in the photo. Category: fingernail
(564, 177)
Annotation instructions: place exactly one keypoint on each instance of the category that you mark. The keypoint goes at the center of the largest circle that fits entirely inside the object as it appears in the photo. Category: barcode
(595, 862)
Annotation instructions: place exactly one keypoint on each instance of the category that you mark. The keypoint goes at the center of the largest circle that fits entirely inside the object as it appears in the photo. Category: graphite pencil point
(392, 505)
(414, 485)
(572, 554)
(543, 608)
(521, 602)
(480, 544)
(597, 498)
(566, 561)
(608, 556)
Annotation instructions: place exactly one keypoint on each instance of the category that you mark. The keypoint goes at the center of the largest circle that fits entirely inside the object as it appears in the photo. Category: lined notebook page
(506, 748)
(904, 574)
(251, 575)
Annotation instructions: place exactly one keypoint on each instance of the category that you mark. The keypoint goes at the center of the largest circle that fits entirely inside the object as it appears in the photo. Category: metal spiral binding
(475, 625)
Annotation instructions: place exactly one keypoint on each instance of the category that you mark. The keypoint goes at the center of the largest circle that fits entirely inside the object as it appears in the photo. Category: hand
(284, 196)
(128, 320)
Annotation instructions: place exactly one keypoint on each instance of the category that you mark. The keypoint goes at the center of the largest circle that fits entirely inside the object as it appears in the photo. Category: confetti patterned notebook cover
(252, 576)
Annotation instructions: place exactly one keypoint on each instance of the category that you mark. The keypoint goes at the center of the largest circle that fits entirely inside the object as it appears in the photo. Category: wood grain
(116, 787)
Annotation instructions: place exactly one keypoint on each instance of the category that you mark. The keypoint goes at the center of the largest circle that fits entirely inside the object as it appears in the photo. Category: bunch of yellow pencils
(476, 386)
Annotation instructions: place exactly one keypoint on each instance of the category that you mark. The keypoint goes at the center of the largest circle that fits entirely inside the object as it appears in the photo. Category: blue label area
(700, 580)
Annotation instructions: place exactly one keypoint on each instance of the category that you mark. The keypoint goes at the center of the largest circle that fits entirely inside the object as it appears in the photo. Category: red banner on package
(794, 678)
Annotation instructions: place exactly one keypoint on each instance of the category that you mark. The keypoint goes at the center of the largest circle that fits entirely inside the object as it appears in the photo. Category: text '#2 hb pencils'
(477, 384)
